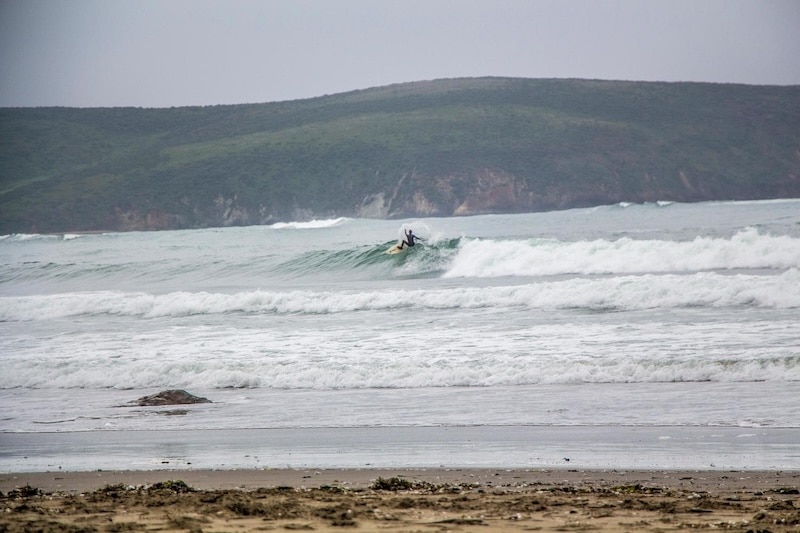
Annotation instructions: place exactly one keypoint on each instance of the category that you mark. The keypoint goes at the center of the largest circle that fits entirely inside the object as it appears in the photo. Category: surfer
(409, 240)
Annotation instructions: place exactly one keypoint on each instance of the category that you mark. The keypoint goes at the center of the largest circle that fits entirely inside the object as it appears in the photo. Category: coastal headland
(451, 147)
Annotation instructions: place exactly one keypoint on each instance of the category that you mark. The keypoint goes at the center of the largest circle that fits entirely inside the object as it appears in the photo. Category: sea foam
(632, 292)
(746, 249)
(311, 224)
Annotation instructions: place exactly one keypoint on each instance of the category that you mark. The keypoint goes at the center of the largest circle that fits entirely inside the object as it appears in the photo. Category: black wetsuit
(409, 240)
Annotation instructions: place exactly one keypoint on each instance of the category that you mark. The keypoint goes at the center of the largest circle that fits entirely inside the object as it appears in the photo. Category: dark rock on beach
(169, 397)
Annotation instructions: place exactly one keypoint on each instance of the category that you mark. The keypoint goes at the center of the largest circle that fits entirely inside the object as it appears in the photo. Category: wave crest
(705, 289)
(541, 257)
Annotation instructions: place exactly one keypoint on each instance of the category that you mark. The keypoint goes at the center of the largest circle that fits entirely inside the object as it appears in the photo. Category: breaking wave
(541, 257)
(704, 289)
(311, 224)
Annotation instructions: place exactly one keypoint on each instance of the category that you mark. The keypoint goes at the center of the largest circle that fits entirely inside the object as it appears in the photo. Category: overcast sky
(161, 53)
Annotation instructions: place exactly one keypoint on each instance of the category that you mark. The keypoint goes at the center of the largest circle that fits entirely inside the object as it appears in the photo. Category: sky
(162, 53)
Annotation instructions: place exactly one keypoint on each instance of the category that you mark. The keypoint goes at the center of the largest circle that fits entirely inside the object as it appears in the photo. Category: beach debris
(399, 484)
(586, 502)
(463, 521)
(171, 485)
(395, 484)
(169, 397)
(24, 492)
(161, 488)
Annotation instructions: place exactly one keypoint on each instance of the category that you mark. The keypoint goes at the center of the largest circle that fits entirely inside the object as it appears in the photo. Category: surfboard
(396, 250)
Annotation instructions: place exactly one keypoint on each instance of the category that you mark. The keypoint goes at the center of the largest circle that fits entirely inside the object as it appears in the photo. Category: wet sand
(577, 447)
(401, 500)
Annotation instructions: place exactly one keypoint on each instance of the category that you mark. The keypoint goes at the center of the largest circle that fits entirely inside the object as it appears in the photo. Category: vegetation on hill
(441, 148)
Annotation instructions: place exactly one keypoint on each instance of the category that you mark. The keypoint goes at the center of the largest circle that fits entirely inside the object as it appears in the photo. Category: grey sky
(160, 53)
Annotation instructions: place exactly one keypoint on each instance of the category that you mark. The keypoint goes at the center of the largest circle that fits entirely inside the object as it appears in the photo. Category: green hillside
(442, 148)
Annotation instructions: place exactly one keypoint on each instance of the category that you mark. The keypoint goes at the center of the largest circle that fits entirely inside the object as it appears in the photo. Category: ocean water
(625, 316)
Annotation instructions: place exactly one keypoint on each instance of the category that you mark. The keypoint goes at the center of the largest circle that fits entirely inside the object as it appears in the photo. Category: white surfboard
(395, 250)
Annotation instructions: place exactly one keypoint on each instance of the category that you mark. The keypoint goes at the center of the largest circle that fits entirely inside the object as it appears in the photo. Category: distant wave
(15, 237)
(659, 203)
(20, 237)
(706, 289)
(311, 224)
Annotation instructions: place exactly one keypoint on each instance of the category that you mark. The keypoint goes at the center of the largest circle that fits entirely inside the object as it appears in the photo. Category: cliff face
(442, 148)
(486, 191)
(496, 191)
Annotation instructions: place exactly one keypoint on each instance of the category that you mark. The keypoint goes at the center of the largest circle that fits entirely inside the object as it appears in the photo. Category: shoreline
(602, 448)
(452, 499)
(361, 478)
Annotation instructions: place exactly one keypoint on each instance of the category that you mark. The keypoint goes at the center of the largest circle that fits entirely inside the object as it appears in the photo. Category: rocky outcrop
(134, 220)
(488, 191)
(373, 206)
(495, 191)
(483, 191)
(169, 397)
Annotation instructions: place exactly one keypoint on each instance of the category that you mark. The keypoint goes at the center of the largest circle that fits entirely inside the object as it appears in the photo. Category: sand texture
(401, 500)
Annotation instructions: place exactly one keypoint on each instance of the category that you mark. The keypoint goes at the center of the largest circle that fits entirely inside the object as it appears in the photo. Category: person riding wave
(409, 240)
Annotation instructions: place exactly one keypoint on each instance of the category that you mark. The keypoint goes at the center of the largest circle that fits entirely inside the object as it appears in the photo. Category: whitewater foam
(311, 224)
(597, 303)
(703, 289)
(485, 354)
(747, 249)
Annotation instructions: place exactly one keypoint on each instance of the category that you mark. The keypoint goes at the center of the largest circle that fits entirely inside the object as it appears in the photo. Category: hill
(436, 148)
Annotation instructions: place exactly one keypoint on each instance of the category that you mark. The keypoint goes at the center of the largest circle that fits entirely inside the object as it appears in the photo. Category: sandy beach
(401, 500)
